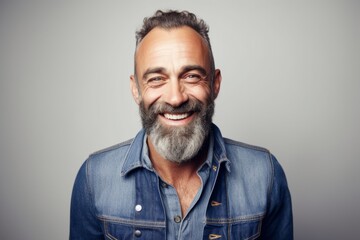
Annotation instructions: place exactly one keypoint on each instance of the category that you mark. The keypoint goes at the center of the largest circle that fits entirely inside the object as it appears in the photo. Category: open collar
(137, 155)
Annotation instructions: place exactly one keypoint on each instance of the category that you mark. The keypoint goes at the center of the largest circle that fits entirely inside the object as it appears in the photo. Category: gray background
(291, 83)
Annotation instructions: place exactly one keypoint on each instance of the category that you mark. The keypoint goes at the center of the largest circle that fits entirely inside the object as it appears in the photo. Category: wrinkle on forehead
(172, 47)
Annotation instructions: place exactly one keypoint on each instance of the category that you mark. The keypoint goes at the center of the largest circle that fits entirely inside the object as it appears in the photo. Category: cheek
(149, 96)
(201, 92)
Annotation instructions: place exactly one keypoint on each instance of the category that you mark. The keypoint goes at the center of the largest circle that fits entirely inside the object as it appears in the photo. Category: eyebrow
(183, 70)
(153, 70)
(188, 68)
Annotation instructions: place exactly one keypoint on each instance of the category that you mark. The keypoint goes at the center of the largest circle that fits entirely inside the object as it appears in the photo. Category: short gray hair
(174, 19)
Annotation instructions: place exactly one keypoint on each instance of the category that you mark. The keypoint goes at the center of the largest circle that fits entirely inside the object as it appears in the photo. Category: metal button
(164, 185)
(137, 233)
(215, 203)
(214, 236)
(177, 219)
(138, 208)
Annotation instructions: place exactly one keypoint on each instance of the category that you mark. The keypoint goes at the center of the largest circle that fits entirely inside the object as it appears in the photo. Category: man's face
(173, 91)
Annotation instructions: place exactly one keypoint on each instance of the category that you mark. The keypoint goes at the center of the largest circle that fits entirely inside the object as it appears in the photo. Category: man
(179, 178)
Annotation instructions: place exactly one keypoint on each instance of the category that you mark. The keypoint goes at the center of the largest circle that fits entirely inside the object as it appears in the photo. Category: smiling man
(179, 178)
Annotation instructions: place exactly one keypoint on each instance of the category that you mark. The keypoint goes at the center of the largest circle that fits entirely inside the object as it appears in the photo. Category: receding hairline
(174, 19)
(169, 29)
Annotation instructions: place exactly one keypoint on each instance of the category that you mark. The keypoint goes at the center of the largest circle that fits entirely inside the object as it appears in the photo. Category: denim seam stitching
(88, 187)
(116, 146)
(227, 204)
(107, 234)
(235, 220)
(257, 234)
(271, 176)
(132, 222)
(245, 145)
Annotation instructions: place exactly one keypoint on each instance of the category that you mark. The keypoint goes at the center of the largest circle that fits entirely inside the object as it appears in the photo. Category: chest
(186, 192)
(155, 211)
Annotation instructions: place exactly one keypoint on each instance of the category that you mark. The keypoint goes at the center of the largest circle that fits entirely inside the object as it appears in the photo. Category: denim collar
(138, 148)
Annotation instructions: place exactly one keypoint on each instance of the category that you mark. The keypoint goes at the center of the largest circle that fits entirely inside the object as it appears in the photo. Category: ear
(134, 89)
(217, 83)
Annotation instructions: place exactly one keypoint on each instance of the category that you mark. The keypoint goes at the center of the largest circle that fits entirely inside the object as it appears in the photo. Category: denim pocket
(120, 229)
(243, 228)
(116, 231)
(246, 230)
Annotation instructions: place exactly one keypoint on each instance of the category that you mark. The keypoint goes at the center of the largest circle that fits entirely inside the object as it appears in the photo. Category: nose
(175, 93)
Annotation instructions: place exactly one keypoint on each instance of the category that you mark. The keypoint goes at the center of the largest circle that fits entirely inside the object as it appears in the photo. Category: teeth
(176, 116)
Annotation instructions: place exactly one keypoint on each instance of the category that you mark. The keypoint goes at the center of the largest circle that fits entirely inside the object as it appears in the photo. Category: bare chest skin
(186, 191)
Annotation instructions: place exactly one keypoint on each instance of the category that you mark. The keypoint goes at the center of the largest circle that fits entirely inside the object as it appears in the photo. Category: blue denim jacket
(117, 196)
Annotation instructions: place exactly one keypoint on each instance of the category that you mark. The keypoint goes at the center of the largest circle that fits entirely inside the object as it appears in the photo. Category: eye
(193, 77)
(155, 81)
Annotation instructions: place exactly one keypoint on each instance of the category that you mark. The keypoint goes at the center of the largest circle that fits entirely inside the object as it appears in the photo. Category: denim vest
(116, 197)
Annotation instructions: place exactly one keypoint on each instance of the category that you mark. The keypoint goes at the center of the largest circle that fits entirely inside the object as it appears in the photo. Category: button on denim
(244, 195)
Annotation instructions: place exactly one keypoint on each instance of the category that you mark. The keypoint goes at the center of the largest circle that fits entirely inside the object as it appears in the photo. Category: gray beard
(178, 144)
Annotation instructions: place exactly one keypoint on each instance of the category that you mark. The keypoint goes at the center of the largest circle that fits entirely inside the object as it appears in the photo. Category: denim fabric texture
(244, 195)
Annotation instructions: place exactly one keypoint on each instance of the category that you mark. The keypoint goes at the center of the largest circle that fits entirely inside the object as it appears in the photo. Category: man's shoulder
(244, 154)
(107, 162)
(239, 153)
(244, 146)
(114, 148)
(249, 163)
(113, 155)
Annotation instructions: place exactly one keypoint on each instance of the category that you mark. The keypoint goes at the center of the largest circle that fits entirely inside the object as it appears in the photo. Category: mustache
(149, 116)
(190, 106)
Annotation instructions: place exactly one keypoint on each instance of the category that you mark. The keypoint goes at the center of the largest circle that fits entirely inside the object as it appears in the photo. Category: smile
(176, 116)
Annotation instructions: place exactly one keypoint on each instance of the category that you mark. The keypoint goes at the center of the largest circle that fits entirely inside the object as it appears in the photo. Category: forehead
(176, 46)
